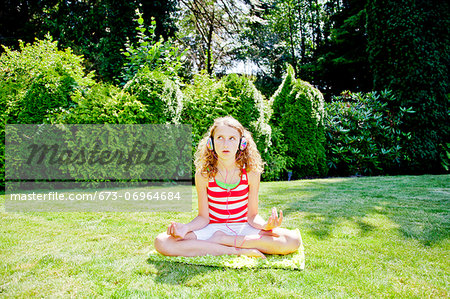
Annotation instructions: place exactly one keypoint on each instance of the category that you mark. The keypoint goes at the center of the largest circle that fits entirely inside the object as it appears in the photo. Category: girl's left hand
(177, 230)
(274, 221)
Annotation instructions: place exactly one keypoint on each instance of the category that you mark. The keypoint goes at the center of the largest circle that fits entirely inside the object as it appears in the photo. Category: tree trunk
(291, 39)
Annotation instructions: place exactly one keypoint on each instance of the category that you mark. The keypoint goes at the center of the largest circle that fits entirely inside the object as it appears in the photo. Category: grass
(364, 237)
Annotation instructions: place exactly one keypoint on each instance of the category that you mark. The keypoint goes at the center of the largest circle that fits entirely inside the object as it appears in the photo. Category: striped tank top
(228, 206)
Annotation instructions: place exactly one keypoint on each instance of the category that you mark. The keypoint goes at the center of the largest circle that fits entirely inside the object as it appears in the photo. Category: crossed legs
(277, 241)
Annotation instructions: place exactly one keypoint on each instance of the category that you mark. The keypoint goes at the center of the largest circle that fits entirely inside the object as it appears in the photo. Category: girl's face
(226, 141)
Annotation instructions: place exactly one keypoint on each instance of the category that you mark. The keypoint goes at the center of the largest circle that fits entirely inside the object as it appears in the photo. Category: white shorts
(233, 229)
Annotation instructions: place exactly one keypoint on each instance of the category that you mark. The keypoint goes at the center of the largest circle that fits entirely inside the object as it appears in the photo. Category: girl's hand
(177, 230)
(274, 221)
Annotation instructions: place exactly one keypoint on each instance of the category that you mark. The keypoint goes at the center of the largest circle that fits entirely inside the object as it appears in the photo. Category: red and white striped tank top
(228, 206)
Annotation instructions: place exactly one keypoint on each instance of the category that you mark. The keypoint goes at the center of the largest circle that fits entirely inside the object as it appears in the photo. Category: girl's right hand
(177, 230)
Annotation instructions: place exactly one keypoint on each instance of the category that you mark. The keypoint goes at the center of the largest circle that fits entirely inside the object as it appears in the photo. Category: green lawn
(364, 237)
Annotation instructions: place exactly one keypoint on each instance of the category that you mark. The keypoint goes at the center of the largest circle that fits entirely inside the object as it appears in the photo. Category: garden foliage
(35, 81)
(364, 136)
(102, 104)
(160, 55)
(149, 98)
(207, 99)
(162, 97)
(250, 108)
(364, 133)
(297, 121)
(408, 52)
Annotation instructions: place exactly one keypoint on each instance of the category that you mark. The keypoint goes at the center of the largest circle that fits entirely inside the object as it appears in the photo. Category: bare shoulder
(253, 177)
(201, 178)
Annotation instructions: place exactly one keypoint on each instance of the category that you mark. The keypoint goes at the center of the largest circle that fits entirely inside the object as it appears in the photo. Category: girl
(228, 167)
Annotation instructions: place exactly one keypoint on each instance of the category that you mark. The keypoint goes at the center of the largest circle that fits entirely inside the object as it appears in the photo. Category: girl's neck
(227, 165)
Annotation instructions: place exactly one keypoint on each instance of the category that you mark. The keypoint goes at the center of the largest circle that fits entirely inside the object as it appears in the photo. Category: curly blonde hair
(206, 160)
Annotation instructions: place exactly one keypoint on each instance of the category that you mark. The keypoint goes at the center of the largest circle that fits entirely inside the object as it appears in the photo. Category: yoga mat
(293, 261)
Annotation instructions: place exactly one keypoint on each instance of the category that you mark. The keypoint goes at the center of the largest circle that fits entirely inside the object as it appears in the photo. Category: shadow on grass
(178, 273)
(419, 205)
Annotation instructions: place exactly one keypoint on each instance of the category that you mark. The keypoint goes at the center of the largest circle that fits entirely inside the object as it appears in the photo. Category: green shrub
(207, 99)
(38, 77)
(149, 98)
(107, 104)
(163, 56)
(364, 135)
(203, 102)
(250, 108)
(102, 104)
(278, 162)
(298, 112)
(277, 159)
(35, 80)
(162, 98)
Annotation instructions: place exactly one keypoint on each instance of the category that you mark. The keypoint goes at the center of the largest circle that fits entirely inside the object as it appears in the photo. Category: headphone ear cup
(210, 144)
(243, 144)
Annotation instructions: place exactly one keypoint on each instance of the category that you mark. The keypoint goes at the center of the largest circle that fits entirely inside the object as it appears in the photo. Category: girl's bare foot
(250, 252)
(217, 237)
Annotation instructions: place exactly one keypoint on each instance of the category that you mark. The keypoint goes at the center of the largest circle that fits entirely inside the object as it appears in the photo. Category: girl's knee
(161, 243)
(292, 241)
(296, 242)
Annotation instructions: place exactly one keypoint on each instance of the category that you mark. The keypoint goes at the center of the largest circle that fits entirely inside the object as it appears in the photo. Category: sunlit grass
(364, 237)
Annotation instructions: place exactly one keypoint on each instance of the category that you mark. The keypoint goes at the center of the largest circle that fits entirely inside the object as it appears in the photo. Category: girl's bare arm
(253, 218)
(179, 230)
(202, 219)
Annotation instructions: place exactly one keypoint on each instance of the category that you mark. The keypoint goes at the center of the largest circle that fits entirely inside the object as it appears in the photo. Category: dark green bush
(278, 162)
(37, 78)
(408, 47)
(107, 104)
(364, 135)
(298, 112)
(149, 98)
(203, 102)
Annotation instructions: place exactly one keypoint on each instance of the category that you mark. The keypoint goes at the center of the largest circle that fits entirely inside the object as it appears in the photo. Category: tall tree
(21, 19)
(341, 61)
(290, 32)
(209, 29)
